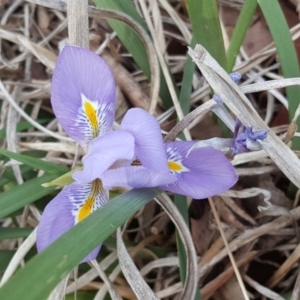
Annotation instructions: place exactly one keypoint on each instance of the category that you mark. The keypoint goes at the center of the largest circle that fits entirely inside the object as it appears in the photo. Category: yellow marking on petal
(87, 207)
(174, 166)
(91, 114)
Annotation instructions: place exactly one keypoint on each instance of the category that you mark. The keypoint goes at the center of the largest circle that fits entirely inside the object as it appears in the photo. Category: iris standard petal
(203, 173)
(135, 177)
(103, 152)
(148, 139)
(74, 203)
(83, 94)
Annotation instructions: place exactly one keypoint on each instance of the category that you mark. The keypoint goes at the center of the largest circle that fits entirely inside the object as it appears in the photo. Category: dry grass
(260, 222)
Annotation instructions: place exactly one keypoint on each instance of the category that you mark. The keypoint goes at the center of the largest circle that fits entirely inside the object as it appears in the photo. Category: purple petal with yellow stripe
(103, 152)
(149, 146)
(200, 173)
(73, 204)
(135, 177)
(83, 94)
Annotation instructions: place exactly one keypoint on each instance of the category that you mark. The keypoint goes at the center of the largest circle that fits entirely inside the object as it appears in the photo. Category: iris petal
(83, 94)
(66, 209)
(135, 177)
(103, 152)
(207, 171)
(148, 139)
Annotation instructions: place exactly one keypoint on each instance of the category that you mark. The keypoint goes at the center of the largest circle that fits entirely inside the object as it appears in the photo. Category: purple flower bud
(235, 77)
(249, 140)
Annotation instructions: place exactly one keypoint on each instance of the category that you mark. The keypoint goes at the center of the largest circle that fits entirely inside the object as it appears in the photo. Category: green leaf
(286, 52)
(24, 194)
(241, 28)
(35, 163)
(14, 233)
(132, 42)
(48, 268)
(5, 258)
(204, 17)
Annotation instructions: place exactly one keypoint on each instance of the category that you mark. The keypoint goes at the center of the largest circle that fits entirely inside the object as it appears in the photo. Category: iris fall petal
(203, 173)
(83, 94)
(71, 205)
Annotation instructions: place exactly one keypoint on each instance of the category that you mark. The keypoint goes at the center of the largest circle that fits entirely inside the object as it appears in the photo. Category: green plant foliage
(14, 233)
(286, 52)
(35, 163)
(24, 194)
(48, 268)
(241, 27)
(204, 17)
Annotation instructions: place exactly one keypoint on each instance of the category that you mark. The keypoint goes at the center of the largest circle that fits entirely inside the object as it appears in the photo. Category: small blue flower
(247, 139)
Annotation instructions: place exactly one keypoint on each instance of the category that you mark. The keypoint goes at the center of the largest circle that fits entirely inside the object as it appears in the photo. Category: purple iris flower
(83, 99)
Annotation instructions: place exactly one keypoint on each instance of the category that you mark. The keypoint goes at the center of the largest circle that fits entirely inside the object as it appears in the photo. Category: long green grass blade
(54, 263)
(132, 42)
(24, 194)
(241, 27)
(5, 258)
(286, 52)
(14, 233)
(204, 17)
(35, 162)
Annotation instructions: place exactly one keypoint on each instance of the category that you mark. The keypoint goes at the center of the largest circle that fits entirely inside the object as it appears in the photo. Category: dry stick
(210, 288)
(284, 268)
(116, 15)
(263, 290)
(236, 270)
(78, 20)
(296, 291)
